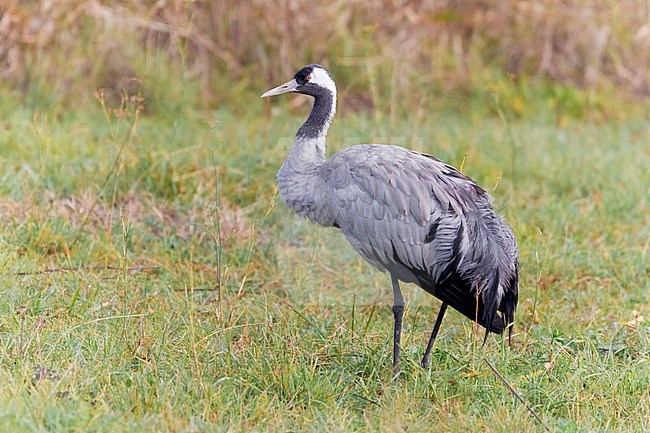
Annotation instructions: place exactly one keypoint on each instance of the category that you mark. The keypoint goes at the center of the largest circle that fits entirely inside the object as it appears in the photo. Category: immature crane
(404, 212)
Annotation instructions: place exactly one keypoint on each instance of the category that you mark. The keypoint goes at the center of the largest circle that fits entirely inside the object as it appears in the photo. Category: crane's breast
(306, 194)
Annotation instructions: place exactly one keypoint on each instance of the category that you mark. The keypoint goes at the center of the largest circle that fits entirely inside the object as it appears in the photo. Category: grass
(153, 282)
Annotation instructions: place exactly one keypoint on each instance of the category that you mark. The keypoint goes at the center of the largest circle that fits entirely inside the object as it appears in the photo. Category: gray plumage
(405, 212)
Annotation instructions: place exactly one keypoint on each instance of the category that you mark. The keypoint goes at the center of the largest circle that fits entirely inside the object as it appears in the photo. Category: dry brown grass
(85, 211)
(86, 43)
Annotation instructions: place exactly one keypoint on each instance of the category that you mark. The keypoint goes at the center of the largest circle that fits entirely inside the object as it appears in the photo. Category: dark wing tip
(498, 325)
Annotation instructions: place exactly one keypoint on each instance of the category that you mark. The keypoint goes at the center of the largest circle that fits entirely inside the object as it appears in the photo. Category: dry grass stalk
(570, 41)
(140, 208)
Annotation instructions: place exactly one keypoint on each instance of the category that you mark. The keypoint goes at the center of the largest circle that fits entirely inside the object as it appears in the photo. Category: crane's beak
(289, 86)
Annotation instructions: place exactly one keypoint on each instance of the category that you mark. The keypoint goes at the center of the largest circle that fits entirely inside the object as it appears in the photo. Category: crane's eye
(308, 77)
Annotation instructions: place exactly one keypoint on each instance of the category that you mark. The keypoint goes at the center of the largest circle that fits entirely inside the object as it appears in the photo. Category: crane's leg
(434, 334)
(398, 314)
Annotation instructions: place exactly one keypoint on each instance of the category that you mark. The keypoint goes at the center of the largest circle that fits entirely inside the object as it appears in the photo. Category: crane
(406, 213)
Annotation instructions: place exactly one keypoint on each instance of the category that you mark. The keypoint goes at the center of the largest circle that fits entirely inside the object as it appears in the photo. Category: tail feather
(471, 284)
(510, 298)
(458, 294)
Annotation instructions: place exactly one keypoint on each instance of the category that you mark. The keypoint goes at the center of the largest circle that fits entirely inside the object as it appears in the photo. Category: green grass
(184, 297)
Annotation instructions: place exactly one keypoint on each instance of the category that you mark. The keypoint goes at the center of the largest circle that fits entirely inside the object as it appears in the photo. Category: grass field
(153, 282)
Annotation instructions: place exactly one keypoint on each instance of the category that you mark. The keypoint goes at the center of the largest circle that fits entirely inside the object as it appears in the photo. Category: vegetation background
(150, 281)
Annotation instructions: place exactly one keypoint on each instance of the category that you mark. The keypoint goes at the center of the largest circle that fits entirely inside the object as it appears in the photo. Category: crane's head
(313, 80)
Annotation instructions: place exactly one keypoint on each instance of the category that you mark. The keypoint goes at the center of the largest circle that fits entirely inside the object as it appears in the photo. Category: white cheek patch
(322, 78)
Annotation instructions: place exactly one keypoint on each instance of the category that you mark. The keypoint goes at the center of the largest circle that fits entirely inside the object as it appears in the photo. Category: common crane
(404, 212)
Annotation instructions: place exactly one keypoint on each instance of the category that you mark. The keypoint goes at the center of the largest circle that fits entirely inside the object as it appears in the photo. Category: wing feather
(395, 194)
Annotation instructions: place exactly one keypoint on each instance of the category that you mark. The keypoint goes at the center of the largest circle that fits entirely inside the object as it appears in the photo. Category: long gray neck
(308, 151)
(300, 186)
